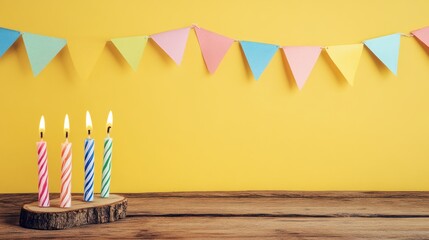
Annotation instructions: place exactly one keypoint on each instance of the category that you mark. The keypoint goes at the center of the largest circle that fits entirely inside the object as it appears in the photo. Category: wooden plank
(285, 194)
(10, 204)
(281, 207)
(311, 204)
(267, 214)
(235, 227)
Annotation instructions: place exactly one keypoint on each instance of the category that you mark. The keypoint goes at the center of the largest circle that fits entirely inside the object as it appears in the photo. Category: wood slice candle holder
(101, 210)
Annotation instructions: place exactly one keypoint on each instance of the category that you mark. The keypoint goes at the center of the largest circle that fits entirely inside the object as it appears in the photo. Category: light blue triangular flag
(258, 56)
(41, 50)
(386, 48)
(7, 38)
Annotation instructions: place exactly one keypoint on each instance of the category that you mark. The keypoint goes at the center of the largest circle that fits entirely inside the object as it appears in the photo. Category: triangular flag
(131, 49)
(346, 57)
(258, 56)
(7, 38)
(422, 35)
(386, 49)
(301, 61)
(41, 50)
(173, 43)
(85, 53)
(213, 47)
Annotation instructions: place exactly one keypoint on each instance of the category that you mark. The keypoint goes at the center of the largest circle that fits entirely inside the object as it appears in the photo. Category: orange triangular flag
(422, 35)
(213, 47)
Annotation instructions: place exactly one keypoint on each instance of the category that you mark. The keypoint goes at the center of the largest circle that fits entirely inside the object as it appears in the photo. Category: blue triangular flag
(7, 38)
(41, 50)
(258, 56)
(386, 49)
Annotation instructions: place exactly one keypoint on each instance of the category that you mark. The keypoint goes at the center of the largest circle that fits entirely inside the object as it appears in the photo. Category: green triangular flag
(131, 49)
(41, 50)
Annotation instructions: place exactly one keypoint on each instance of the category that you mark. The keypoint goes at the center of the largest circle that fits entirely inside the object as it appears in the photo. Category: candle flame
(66, 124)
(110, 119)
(88, 121)
(42, 124)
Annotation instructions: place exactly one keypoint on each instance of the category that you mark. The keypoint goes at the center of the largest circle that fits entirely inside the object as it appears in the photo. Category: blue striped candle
(88, 194)
(88, 191)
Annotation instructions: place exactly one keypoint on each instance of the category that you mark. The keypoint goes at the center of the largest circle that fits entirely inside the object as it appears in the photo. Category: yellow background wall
(177, 128)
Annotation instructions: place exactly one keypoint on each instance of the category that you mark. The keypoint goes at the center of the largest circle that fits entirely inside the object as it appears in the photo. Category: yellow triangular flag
(131, 49)
(346, 57)
(84, 54)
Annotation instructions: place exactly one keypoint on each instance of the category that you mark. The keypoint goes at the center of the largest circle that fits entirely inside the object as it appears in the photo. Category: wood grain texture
(101, 210)
(275, 215)
(272, 205)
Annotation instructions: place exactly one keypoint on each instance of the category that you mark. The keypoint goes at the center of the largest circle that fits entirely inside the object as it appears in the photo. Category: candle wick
(89, 132)
(67, 134)
(41, 135)
(108, 129)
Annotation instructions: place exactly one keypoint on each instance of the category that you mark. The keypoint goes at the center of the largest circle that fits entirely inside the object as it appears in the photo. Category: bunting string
(214, 46)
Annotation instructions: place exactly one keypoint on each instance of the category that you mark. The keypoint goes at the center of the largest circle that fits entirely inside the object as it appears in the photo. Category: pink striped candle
(66, 167)
(42, 163)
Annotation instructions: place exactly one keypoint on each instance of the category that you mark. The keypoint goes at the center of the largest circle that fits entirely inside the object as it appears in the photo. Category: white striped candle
(88, 191)
(107, 160)
(88, 194)
(42, 153)
(66, 167)
(107, 167)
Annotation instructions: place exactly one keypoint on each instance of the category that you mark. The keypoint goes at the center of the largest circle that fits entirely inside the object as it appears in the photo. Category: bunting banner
(422, 35)
(386, 49)
(301, 61)
(85, 54)
(173, 43)
(346, 58)
(41, 50)
(7, 38)
(258, 55)
(131, 49)
(214, 47)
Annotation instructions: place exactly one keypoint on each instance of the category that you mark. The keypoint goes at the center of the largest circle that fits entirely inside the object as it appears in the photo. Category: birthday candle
(66, 167)
(107, 159)
(88, 194)
(42, 163)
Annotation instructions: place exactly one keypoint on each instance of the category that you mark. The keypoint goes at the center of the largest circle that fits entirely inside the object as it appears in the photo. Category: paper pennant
(85, 53)
(422, 35)
(131, 49)
(7, 38)
(213, 47)
(258, 55)
(346, 57)
(301, 61)
(41, 50)
(173, 43)
(386, 49)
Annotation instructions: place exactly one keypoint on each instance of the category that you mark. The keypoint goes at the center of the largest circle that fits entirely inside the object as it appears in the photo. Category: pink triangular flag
(422, 35)
(213, 47)
(301, 61)
(173, 43)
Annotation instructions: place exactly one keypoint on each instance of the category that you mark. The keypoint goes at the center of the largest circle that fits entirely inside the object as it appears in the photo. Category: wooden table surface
(258, 215)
